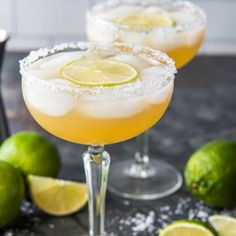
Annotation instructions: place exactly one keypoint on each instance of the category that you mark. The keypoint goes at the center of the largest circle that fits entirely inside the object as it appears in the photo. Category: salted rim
(201, 20)
(138, 87)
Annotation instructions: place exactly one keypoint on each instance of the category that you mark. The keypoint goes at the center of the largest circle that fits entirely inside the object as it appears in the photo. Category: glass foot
(164, 181)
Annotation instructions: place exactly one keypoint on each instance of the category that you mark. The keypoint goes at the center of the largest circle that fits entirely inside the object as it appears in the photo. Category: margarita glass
(87, 93)
(175, 27)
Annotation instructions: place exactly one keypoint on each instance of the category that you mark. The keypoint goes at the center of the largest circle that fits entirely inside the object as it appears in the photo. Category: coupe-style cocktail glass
(88, 94)
(175, 27)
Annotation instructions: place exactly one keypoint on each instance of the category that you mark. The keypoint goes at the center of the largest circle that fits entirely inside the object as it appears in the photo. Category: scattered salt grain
(8, 233)
(126, 203)
(139, 223)
(150, 223)
(27, 207)
(51, 226)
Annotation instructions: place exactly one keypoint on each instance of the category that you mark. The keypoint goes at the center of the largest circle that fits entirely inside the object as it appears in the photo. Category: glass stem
(141, 168)
(96, 163)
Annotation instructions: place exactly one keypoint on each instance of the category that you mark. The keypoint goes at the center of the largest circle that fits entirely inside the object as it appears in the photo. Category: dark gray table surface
(203, 108)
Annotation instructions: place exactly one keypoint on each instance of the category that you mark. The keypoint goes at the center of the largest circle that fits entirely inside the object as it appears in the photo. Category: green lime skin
(210, 173)
(11, 193)
(32, 154)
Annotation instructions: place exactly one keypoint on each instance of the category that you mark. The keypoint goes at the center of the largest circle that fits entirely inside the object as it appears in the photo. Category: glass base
(164, 181)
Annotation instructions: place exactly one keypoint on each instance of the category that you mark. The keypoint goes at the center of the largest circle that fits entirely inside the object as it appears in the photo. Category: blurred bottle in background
(4, 131)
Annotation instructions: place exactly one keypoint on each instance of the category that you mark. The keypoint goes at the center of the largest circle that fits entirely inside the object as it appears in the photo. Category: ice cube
(153, 9)
(50, 102)
(112, 109)
(43, 73)
(163, 40)
(60, 59)
(133, 36)
(50, 66)
(137, 62)
(151, 72)
(192, 37)
(160, 95)
(182, 17)
(117, 12)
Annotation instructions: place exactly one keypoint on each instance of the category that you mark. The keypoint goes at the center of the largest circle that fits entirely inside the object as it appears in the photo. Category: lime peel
(28, 150)
(205, 177)
(12, 191)
(186, 228)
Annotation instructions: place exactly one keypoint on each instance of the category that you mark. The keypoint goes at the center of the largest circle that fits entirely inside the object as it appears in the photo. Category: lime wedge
(146, 20)
(57, 197)
(187, 228)
(99, 72)
(224, 225)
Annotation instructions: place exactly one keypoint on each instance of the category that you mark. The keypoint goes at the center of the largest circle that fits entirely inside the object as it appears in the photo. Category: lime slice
(186, 228)
(224, 225)
(57, 197)
(99, 72)
(145, 19)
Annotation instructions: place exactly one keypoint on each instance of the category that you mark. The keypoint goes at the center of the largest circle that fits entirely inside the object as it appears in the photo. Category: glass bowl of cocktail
(175, 27)
(87, 93)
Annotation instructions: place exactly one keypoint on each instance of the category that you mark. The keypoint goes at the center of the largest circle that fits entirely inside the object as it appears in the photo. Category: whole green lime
(32, 154)
(11, 193)
(210, 174)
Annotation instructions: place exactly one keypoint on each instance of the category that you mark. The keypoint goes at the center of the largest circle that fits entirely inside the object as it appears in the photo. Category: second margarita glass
(175, 27)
